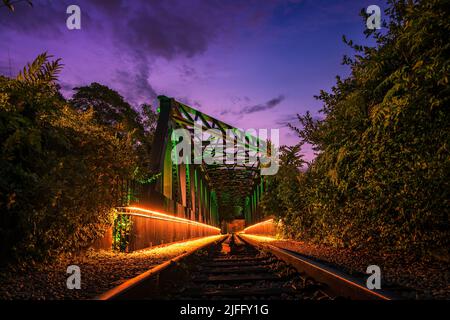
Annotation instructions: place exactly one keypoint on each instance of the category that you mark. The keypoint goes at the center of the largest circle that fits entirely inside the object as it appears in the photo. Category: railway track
(235, 268)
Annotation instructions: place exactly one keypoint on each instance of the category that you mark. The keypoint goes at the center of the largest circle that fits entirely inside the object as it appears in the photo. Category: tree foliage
(59, 165)
(112, 111)
(41, 70)
(381, 176)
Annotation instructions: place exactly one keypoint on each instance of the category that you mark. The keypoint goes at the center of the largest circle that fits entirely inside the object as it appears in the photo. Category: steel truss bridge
(196, 190)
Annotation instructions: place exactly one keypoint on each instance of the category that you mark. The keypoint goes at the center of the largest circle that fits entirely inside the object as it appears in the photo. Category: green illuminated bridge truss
(196, 190)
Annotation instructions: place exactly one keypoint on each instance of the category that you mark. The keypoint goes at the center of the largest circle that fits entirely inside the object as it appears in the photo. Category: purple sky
(252, 64)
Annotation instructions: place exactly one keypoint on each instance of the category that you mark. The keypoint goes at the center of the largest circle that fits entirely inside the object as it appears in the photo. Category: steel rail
(338, 283)
(134, 287)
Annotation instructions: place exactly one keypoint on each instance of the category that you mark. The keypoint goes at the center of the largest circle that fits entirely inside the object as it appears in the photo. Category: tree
(281, 197)
(59, 168)
(111, 110)
(381, 177)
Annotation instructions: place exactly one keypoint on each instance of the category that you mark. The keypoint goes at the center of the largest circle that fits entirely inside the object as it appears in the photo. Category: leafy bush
(381, 177)
(59, 167)
(121, 232)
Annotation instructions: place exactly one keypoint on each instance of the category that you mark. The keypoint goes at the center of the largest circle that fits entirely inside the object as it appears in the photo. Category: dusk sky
(252, 64)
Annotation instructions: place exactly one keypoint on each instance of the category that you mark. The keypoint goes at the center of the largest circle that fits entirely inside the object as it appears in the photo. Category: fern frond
(30, 70)
(50, 70)
(41, 70)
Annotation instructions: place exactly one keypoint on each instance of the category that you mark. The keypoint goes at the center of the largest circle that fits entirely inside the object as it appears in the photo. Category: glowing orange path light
(260, 238)
(267, 228)
(163, 216)
(258, 224)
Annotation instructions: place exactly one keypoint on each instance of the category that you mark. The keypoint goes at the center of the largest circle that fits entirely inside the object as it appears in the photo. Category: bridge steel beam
(196, 191)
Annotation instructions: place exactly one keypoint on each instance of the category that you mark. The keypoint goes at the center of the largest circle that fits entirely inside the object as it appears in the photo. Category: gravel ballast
(415, 278)
(103, 270)
(100, 271)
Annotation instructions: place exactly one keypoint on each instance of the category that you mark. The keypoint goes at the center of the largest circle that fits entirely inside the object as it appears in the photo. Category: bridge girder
(200, 190)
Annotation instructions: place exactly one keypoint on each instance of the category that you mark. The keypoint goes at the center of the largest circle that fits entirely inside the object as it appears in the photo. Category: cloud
(138, 33)
(168, 29)
(238, 101)
(188, 73)
(39, 19)
(272, 103)
(135, 34)
(156, 28)
(192, 103)
(135, 85)
(285, 119)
